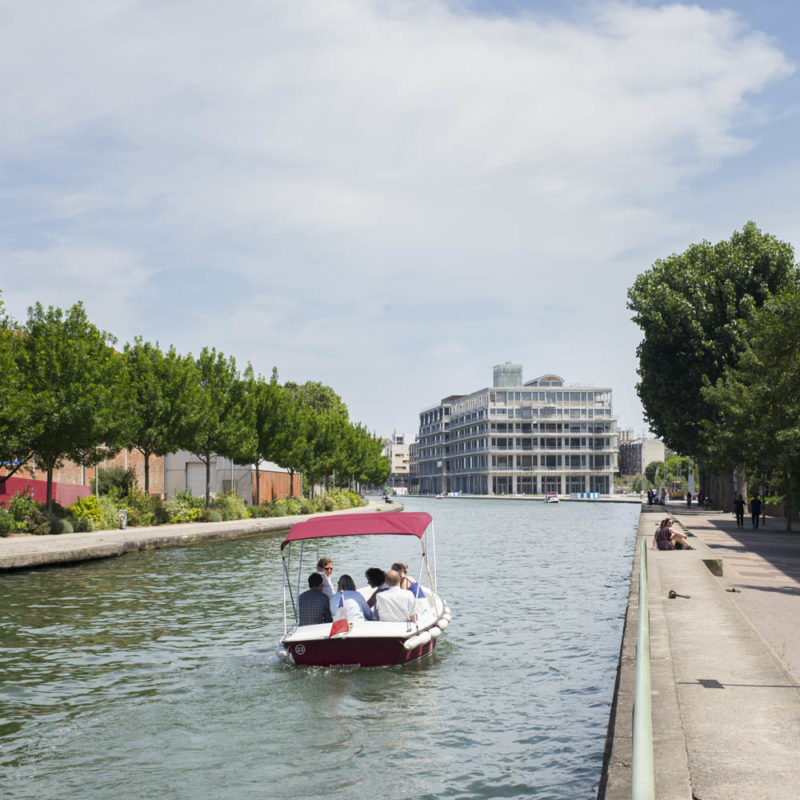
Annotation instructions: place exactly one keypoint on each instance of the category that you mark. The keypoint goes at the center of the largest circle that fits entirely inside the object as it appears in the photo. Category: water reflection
(154, 675)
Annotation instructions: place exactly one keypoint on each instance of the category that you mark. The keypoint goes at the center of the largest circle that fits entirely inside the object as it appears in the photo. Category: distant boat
(551, 497)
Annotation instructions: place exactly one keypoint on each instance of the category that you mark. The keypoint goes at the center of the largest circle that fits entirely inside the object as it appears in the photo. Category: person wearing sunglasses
(325, 568)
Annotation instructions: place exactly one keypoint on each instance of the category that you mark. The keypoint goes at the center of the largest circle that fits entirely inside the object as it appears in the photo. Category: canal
(154, 675)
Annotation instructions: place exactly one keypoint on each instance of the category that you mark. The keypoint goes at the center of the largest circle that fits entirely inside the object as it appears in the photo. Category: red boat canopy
(403, 523)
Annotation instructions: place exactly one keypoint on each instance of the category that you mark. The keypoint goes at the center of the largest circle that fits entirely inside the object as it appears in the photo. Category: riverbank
(725, 663)
(25, 552)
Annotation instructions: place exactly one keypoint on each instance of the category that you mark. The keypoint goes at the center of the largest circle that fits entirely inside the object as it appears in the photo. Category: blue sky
(388, 197)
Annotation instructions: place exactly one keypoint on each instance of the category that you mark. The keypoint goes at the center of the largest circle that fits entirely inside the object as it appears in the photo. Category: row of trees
(719, 364)
(67, 394)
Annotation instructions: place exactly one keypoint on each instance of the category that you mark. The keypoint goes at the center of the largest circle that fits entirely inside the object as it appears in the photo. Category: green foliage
(255, 511)
(110, 509)
(28, 514)
(144, 510)
(212, 515)
(691, 308)
(87, 513)
(8, 524)
(59, 525)
(757, 400)
(637, 484)
(222, 412)
(116, 481)
(162, 410)
(185, 508)
(230, 506)
(73, 382)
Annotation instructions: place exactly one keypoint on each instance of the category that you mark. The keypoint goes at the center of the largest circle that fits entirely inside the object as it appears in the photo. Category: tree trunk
(208, 481)
(146, 472)
(788, 503)
(291, 483)
(258, 484)
(50, 487)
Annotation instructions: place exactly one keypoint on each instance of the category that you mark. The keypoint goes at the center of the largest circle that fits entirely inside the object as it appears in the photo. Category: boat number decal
(299, 649)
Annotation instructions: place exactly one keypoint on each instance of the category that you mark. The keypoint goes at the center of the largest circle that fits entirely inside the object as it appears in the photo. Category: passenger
(402, 568)
(667, 538)
(325, 568)
(405, 581)
(395, 604)
(376, 578)
(313, 606)
(355, 605)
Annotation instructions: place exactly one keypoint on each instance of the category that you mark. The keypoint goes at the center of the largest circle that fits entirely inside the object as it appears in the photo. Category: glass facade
(534, 438)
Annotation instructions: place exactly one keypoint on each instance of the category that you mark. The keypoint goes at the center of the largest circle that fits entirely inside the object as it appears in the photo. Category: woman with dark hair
(354, 604)
(376, 578)
(667, 538)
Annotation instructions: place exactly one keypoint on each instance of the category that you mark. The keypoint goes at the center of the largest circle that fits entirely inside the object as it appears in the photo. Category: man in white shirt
(395, 604)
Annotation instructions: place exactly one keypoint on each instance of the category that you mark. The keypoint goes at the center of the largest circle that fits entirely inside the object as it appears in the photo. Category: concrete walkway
(725, 663)
(24, 552)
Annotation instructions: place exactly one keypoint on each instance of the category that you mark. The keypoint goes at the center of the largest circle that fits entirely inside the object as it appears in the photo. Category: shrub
(7, 522)
(87, 513)
(110, 510)
(143, 509)
(259, 511)
(307, 506)
(59, 525)
(213, 515)
(230, 506)
(28, 515)
(116, 480)
(189, 500)
(179, 511)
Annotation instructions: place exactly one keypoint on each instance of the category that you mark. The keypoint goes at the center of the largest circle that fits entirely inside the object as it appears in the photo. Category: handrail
(642, 772)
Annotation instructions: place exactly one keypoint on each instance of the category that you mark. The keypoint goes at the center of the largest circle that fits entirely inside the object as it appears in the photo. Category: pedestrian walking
(738, 509)
(755, 510)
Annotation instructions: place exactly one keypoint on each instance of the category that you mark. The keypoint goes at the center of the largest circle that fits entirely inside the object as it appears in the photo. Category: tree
(163, 387)
(15, 423)
(757, 400)
(270, 408)
(291, 446)
(652, 470)
(76, 395)
(222, 412)
(691, 308)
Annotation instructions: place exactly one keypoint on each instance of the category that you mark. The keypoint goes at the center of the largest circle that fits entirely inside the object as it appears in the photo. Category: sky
(387, 197)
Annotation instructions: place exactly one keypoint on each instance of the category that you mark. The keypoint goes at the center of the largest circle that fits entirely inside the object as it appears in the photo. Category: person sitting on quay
(395, 604)
(667, 538)
(376, 578)
(354, 603)
(313, 604)
(325, 568)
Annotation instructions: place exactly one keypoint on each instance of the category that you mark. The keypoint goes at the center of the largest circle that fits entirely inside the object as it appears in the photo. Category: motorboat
(361, 643)
(551, 497)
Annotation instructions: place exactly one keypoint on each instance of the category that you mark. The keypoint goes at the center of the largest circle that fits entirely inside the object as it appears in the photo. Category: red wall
(63, 493)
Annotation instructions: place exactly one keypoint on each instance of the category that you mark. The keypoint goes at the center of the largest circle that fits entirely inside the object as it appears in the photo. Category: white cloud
(284, 154)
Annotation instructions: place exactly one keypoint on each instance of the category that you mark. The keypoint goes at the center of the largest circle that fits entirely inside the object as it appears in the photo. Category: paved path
(23, 552)
(725, 664)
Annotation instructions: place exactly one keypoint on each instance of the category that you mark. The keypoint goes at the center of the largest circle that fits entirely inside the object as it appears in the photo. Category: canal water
(154, 675)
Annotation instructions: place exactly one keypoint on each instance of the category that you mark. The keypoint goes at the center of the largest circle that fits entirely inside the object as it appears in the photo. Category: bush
(259, 511)
(87, 513)
(59, 525)
(110, 510)
(7, 522)
(230, 506)
(213, 515)
(143, 509)
(188, 500)
(28, 515)
(116, 481)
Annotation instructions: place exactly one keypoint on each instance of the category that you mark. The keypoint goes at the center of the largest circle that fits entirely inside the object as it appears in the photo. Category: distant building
(184, 471)
(398, 450)
(518, 438)
(636, 454)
